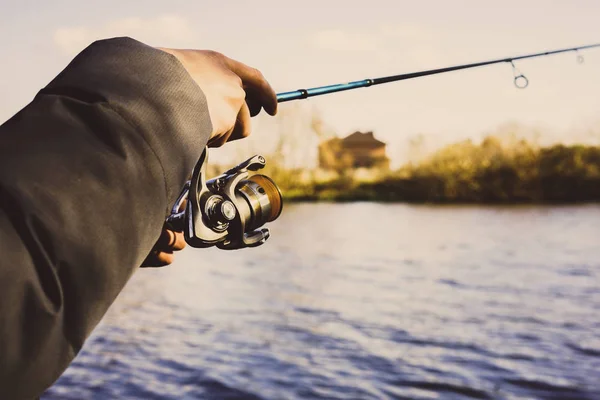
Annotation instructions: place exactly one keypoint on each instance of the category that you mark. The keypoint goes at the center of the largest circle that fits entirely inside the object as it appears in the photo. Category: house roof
(362, 138)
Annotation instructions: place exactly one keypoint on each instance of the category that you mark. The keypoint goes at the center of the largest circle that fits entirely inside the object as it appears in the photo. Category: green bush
(491, 172)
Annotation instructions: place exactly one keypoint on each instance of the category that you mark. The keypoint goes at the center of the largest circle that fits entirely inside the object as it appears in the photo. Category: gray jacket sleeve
(88, 172)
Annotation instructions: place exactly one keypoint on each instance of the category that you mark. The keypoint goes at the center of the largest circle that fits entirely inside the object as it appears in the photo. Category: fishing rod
(520, 80)
(229, 211)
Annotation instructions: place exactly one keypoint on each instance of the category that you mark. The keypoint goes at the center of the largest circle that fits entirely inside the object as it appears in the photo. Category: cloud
(164, 30)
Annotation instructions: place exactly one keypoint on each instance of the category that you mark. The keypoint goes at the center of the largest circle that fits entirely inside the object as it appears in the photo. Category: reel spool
(227, 211)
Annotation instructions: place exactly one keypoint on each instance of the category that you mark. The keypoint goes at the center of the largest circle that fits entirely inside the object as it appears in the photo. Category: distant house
(358, 150)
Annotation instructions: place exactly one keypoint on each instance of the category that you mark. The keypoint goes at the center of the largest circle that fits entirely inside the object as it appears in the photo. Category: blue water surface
(363, 301)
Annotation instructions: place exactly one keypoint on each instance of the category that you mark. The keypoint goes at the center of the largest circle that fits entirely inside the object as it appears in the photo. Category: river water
(364, 301)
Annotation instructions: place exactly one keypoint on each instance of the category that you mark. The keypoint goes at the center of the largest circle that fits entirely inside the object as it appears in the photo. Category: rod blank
(321, 90)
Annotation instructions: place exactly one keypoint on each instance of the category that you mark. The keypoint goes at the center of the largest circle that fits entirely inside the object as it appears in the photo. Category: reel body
(227, 211)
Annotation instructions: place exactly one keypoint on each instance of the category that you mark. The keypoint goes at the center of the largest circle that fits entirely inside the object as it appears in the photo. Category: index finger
(255, 83)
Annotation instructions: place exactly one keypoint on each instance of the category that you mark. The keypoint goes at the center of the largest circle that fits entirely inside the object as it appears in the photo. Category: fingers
(158, 259)
(253, 105)
(219, 141)
(162, 252)
(170, 241)
(259, 92)
(241, 129)
(232, 89)
(243, 124)
(165, 258)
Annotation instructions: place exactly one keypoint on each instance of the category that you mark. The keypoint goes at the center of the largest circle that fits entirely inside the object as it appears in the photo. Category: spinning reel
(227, 211)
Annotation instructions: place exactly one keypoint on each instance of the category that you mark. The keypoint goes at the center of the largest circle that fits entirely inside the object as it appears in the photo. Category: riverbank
(492, 172)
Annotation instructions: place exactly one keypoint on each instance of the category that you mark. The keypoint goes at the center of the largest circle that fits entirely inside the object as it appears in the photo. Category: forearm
(88, 171)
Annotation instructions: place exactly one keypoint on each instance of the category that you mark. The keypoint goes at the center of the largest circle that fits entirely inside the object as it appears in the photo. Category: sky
(312, 43)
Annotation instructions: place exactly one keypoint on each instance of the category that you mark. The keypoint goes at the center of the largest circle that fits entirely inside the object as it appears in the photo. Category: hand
(234, 92)
(162, 252)
(168, 242)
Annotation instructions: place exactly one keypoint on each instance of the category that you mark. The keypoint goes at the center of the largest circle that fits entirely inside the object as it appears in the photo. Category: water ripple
(437, 302)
